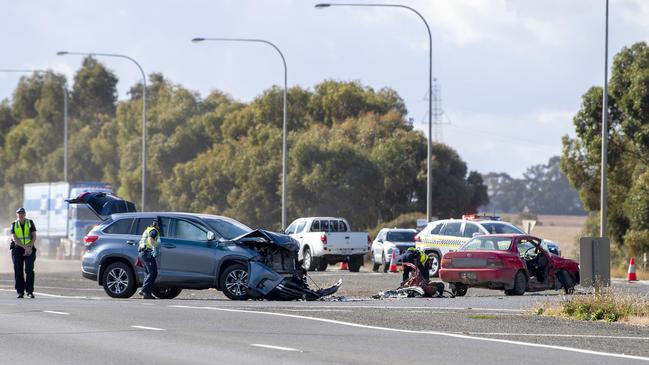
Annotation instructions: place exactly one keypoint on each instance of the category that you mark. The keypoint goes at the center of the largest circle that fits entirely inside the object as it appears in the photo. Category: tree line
(628, 151)
(543, 189)
(352, 150)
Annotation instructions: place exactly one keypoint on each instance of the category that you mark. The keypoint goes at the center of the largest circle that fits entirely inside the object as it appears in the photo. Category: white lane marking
(275, 347)
(318, 310)
(59, 288)
(351, 307)
(148, 328)
(55, 312)
(53, 295)
(555, 335)
(436, 333)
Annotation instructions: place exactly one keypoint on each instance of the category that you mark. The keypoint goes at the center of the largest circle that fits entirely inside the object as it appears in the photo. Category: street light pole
(144, 162)
(65, 117)
(429, 174)
(284, 121)
(604, 185)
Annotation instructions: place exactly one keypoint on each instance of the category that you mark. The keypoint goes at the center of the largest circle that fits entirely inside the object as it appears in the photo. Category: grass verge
(608, 306)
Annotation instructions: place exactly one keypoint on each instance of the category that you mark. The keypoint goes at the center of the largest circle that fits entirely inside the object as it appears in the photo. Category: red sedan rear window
(488, 243)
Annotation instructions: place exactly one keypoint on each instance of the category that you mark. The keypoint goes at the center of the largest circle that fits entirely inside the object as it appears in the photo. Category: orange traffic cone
(393, 263)
(344, 266)
(631, 276)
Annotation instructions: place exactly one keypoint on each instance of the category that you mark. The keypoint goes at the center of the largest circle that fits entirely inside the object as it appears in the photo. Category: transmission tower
(438, 112)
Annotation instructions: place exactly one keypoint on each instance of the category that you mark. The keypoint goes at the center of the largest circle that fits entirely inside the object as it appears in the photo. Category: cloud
(466, 22)
(634, 11)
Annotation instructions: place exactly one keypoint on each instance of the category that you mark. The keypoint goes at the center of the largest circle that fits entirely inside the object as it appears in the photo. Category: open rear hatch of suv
(103, 204)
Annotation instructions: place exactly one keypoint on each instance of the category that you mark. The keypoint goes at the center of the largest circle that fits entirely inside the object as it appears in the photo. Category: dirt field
(565, 230)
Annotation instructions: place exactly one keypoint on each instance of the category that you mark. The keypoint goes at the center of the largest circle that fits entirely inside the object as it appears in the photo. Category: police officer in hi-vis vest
(148, 252)
(23, 253)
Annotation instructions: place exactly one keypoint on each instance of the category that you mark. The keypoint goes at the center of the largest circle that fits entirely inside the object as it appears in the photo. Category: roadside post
(595, 262)
(528, 225)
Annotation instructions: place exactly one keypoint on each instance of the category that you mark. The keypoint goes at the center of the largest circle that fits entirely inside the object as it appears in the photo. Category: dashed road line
(275, 347)
(57, 312)
(148, 328)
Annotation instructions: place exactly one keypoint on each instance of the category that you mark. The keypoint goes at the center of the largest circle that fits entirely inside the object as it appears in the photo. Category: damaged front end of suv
(275, 272)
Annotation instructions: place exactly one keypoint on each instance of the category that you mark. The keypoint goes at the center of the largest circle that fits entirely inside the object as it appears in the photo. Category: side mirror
(380, 240)
(211, 236)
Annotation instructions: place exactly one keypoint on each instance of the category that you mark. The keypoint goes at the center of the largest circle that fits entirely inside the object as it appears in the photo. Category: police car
(442, 236)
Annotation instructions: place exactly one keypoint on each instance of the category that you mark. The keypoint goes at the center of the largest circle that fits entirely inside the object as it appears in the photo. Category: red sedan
(514, 262)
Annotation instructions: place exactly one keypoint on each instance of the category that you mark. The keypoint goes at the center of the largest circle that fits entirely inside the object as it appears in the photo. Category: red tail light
(417, 238)
(447, 262)
(494, 262)
(323, 239)
(87, 240)
(369, 241)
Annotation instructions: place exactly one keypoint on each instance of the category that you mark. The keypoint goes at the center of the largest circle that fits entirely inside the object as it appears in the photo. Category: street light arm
(285, 116)
(144, 124)
(429, 164)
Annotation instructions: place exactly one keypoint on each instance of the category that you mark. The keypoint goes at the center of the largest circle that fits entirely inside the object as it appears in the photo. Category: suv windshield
(401, 236)
(228, 229)
(501, 228)
(488, 243)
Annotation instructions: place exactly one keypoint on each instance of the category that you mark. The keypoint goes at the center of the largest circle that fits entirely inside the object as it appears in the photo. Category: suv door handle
(168, 245)
(130, 242)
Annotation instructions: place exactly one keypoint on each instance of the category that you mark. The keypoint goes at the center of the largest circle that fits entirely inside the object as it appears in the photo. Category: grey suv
(198, 251)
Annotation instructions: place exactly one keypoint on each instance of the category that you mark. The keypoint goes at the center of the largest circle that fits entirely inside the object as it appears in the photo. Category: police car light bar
(475, 217)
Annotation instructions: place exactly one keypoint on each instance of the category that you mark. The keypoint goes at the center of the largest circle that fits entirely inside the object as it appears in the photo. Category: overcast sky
(511, 73)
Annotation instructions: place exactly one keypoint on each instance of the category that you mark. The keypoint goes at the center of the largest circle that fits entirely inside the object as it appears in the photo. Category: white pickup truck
(328, 240)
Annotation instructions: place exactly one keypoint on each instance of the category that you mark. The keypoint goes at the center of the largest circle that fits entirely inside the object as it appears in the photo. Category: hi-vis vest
(23, 234)
(423, 258)
(146, 242)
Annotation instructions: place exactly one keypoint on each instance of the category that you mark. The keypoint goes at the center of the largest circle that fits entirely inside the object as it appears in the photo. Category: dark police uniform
(148, 252)
(419, 258)
(23, 265)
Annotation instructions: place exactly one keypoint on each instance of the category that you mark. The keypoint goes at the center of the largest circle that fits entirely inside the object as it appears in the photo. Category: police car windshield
(488, 243)
(501, 228)
(401, 236)
(228, 229)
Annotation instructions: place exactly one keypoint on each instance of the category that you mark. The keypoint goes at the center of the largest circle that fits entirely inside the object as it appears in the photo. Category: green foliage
(628, 153)
(352, 152)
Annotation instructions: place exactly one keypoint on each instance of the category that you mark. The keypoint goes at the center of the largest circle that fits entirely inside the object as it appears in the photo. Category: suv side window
(291, 228)
(122, 226)
(140, 225)
(436, 229)
(315, 226)
(300, 227)
(452, 229)
(470, 229)
(189, 232)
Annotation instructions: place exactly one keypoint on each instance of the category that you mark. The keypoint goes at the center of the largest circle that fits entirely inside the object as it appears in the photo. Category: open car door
(103, 204)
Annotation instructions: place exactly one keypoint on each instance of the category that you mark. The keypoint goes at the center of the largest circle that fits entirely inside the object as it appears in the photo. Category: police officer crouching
(23, 253)
(148, 249)
(418, 258)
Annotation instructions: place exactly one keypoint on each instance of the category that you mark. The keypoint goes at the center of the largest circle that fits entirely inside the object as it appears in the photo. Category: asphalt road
(73, 321)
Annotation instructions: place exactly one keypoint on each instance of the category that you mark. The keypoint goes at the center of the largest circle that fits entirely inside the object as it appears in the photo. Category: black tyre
(309, 262)
(434, 264)
(119, 280)
(567, 282)
(355, 263)
(386, 264)
(166, 292)
(322, 265)
(459, 290)
(520, 285)
(234, 282)
(375, 265)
